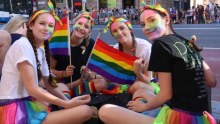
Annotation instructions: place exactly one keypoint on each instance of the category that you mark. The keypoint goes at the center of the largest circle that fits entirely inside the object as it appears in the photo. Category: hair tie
(52, 12)
(193, 40)
(156, 7)
(86, 15)
(113, 19)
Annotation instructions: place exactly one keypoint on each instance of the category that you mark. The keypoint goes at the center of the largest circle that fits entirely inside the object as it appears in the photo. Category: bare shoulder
(5, 38)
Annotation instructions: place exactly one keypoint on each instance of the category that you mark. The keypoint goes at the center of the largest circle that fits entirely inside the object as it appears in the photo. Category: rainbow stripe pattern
(22, 111)
(156, 7)
(59, 41)
(111, 63)
(84, 88)
(175, 116)
(112, 19)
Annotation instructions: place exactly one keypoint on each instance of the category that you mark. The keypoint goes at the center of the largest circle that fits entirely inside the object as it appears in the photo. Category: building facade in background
(25, 6)
(122, 4)
(16, 6)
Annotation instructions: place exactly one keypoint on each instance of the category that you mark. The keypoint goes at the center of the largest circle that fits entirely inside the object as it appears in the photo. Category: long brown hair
(31, 39)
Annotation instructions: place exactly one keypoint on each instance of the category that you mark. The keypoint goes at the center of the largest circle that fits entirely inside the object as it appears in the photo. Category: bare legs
(112, 114)
(76, 115)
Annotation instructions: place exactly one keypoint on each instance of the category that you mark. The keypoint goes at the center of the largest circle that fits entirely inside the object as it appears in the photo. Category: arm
(57, 91)
(210, 79)
(5, 42)
(60, 73)
(141, 71)
(165, 93)
(162, 97)
(27, 72)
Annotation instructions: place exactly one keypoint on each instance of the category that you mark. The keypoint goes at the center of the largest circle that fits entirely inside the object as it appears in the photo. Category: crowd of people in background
(202, 14)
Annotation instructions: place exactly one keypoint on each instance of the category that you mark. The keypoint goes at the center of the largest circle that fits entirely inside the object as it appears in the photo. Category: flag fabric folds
(111, 63)
(59, 41)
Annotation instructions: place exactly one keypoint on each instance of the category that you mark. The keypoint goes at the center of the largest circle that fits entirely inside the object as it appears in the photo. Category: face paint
(153, 26)
(112, 20)
(115, 34)
(77, 26)
(83, 24)
(114, 27)
(51, 30)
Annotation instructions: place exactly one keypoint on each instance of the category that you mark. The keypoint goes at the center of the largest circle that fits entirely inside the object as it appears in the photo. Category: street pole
(11, 9)
(97, 4)
(72, 4)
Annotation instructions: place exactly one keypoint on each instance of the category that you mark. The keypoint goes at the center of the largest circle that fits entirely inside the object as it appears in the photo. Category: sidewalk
(216, 110)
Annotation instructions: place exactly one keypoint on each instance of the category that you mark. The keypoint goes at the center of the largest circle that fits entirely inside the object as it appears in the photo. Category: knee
(86, 111)
(137, 85)
(140, 92)
(100, 84)
(104, 112)
(144, 93)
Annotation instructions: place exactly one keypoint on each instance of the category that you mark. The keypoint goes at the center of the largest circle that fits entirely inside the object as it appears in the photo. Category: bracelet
(62, 74)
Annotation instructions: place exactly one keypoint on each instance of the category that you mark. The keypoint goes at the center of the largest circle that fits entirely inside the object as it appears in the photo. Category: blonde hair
(15, 23)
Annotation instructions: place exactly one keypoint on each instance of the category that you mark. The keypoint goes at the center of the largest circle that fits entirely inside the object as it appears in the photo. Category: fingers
(69, 70)
(130, 105)
(70, 67)
(84, 99)
(84, 69)
(141, 60)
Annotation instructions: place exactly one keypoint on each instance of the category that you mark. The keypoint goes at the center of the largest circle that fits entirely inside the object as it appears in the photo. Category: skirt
(22, 111)
(176, 116)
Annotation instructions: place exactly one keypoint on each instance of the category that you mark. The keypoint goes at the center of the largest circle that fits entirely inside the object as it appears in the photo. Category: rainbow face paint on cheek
(77, 26)
(51, 30)
(115, 34)
(114, 28)
(153, 26)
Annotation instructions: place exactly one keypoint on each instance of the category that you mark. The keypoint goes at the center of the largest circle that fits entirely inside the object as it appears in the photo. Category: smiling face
(82, 28)
(121, 32)
(43, 27)
(153, 25)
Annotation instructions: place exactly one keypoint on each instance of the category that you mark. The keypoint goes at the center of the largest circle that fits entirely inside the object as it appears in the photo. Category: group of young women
(182, 73)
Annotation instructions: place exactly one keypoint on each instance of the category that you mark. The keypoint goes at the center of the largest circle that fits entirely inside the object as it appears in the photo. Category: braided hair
(31, 39)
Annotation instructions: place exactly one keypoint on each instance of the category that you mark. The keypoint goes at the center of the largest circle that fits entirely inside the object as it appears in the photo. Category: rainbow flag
(111, 63)
(59, 41)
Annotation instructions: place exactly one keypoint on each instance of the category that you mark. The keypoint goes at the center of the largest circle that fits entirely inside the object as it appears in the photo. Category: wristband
(62, 74)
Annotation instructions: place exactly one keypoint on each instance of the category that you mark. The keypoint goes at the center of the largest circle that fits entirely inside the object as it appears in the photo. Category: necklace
(133, 51)
(83, 49)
